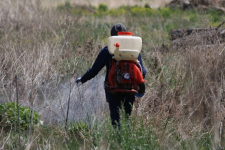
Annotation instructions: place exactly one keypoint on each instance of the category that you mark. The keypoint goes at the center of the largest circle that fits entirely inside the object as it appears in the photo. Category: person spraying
(124, 71)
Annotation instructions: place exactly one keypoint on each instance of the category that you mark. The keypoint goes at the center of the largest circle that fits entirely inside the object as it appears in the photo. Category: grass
(97, 135)
(183, 107)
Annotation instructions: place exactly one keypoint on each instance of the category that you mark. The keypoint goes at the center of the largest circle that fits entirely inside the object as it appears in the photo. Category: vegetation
(183, 107)
(9, 117)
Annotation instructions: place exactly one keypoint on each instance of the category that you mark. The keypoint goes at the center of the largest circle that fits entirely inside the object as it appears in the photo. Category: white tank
(128, 46)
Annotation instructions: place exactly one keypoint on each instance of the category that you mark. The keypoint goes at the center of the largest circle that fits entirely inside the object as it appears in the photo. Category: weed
(102, 7)
(79, 129)
(9, 116)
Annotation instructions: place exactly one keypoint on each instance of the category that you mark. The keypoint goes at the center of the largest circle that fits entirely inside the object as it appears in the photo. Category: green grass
(135, 133)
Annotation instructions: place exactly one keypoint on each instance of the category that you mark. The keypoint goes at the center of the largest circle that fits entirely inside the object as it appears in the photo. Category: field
(47, 48)
(110, 4)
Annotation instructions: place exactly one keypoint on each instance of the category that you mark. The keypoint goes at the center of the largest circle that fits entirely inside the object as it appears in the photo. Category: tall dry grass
(187, 90)
(38, 46)
(44, 47)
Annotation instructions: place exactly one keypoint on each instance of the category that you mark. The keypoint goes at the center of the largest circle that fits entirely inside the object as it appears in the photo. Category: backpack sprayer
(125, 73)
(129, 46)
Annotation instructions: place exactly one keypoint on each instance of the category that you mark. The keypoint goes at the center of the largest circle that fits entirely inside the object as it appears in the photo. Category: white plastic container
(129, 46)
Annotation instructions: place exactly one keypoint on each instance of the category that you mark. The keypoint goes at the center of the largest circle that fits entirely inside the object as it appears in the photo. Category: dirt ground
(110, 3)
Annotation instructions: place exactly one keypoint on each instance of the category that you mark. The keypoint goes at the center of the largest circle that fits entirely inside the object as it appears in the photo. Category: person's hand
(78, 80)
(139, 95)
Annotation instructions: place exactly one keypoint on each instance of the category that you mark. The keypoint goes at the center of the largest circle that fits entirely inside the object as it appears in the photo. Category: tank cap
(117, 45)
(125, 33)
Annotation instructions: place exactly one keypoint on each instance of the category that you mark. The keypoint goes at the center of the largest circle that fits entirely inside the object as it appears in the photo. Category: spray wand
(68, 105)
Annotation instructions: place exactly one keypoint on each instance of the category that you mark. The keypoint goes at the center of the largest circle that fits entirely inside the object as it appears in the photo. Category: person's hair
(117, 28)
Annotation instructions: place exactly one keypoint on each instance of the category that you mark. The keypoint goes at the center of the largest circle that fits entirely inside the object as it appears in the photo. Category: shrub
(102, 7)
(9, 116)
(165, 12)
(79, 128)
(66, 6)
(147, 5)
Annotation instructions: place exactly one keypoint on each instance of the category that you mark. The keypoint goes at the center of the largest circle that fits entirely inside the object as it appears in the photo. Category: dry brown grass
(187, 88)
(37, 46)
(185, 85)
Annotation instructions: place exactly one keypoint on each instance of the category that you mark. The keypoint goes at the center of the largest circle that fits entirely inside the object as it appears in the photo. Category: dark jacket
(102, 60)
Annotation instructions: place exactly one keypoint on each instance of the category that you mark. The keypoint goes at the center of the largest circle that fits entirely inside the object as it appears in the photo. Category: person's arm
(99, 63)
(143, 68)
(140, 81)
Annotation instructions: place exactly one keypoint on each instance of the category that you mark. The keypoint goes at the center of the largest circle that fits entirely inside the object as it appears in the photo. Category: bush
(64, 6)
(9, 116)
(102, 7)
(79, 128)
(147, 6)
